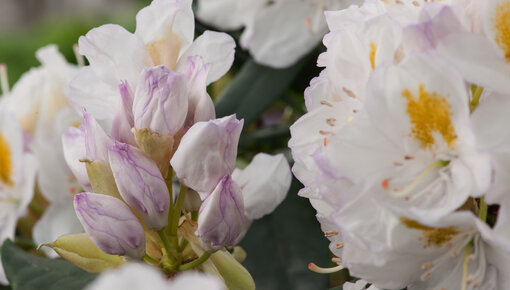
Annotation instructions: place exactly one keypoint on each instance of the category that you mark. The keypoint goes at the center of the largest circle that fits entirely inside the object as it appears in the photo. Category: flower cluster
(149, 91)
(405, 144)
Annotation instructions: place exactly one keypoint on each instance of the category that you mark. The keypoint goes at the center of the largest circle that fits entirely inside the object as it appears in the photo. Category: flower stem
(194, 263)
(150, 260)
(166, 245)
(168, 181)
(482, 213)
(176, 212)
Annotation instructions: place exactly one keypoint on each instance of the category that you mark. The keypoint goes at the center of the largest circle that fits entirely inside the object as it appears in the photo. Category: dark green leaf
(254, 88)
(281, 245)
(29, 272)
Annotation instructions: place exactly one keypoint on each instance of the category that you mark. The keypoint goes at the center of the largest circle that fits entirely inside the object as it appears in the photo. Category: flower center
(5, 162)
(502, 27)
(166, 50)
(433, 236)
(373, 50)
(429, 113)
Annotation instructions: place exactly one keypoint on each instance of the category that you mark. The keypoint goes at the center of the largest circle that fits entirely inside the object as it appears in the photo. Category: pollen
(429, 113)
(502, 27)
(373, 50)
(432, 236)
(5, 162)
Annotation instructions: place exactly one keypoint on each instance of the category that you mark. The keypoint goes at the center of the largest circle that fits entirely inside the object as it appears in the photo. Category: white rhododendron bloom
(402, 146)
(17, 176)
(39, 101)
(164, 36)
(138, 277)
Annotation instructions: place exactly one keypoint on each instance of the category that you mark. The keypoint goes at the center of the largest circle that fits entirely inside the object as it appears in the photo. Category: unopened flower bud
(81, 251)
(140, 184)
(110, 224)
(221, 215)
(207, 153)
(161, 101)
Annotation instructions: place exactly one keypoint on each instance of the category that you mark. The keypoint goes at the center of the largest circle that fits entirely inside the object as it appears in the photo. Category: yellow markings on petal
(371, 54)
(429, 113)
(432, 236)
(5, 162)
(165, 51)
(502, 27)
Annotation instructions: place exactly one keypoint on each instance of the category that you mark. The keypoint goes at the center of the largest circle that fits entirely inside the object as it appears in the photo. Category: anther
(407, 157)
(331, 121)
(329, 234)
(336, 260)
(339, 245)
(348, 92)
(323, 102)
(425, 276)
(427, 265)
(322, 132)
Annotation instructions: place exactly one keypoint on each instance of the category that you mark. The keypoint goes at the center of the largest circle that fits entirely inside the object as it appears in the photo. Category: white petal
(223, 14)
(169, 23)
(264, 183)
(114, 54)
(279, 34)
(90, 92)
(58, 219)
(479, 61)
(216, 49)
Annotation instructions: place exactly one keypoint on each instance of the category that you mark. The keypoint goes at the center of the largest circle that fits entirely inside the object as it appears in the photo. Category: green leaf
(254, 88)
(29, 272)
(281, 245)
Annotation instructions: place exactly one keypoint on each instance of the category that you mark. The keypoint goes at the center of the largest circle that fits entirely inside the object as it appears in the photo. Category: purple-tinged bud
(221, 216)
(96, 140)
(110, 224)
(200, 105)
(124, 120)
(73, 142)
(140, 184)
(207, 153)
(161, 101)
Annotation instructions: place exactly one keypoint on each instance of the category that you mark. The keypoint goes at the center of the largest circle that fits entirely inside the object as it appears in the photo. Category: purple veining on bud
(73, 142)
(221, 217)
(200, 105)
(161, 101)
(140, 184)
(110, 224)
(124, 120)
(96, 140)
(207, 153)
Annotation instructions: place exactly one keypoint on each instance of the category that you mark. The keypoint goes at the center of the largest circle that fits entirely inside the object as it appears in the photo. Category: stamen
(425, 276)
(320, 270)
(4, 80)
(336, 260)
(331, 121)
(465, 266)
(326, 141)
(329, 234)
(79, 58)
(339, 245)
(418, 179)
